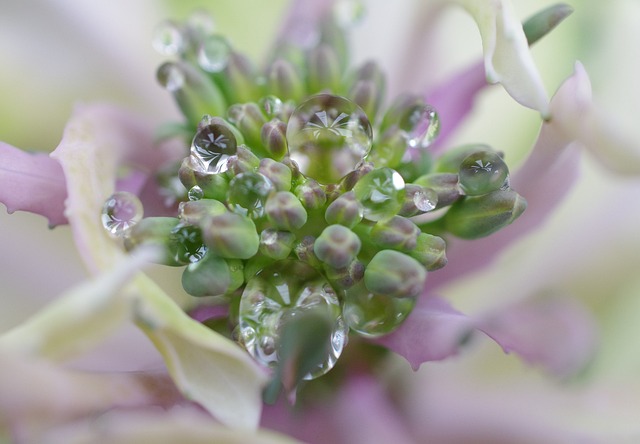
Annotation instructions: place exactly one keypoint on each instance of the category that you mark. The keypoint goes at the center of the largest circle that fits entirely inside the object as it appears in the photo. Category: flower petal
(300, 27)
(432, 332)
(32, 182)
(507, 58)
(206, 367)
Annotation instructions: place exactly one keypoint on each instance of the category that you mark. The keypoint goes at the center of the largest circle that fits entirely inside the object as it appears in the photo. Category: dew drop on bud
(200, 23)
(248, 194)
(213, 54)
(120, 212)
(195, 193)
(171, 76)
(277, 293)
(168, 39)
(213, 145)
(381, 192)
(272, 106)
(425, 199)
(482, 172)
(328, 136)
(188, 244)
(421, 125)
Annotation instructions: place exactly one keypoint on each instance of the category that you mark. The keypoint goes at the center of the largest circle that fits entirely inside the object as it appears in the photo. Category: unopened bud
(192, 212)
(444, 184)
(337, 246)
(430, 251)
(284, 81)
(395, 274)
(285, 211)
(324, 70)
(276, 244)
(345, 210)
(311, 194)
(274, 139)
(278, 173)
(397, 233)
(230, 235)
(211, 276)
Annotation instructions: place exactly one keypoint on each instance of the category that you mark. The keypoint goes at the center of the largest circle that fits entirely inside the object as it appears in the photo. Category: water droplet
(195, 193)
(421, 125)
(171, 76)
(328, 136)
(168, 39)
(482, 172)
(274, 295)
(425, 199)
(120, 212)
(188, 244)
(213, 54)
(213, 145)
(248, 193)
(374, 315)
(348, 13)
(200, 23)
(381, 192)
(272, 106)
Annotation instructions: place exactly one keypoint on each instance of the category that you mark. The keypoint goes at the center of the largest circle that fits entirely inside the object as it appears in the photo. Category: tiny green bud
(345, 210)
(337, 246)
(274, 139)
(195, 94)
(477, 216)
(230, 235)
(155, 231)
(397, 233)
(285, 211)
(482, 172)
(368, 88)
(244, 161)
(192, 212)
(444, 184)
(213, 186)
(324, 70)
(186, 173)
(210, 276)
(284, 81)
(310, 193)
(278, 173)
(249, 120)
(395, 274)
(276, 244)
(345, 277)
(430, 251)
(240, 86)
(450, 160)
(543, 22)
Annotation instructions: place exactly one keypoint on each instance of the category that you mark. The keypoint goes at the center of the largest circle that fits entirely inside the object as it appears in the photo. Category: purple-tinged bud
(284, 81)
(345, 277)
(397, 233)
(278, 173)
(276, 244)
(345, 210)
(274, 139)
(337, 246)
(450, 160)
(430, 251)
(249, 120)
(395, 274)
(324, 70)
(418, 200)
(304, 251)
(311, 194)
(230, 235)
(244, 161)
(285, 211)
(444, 184)
(192, 212)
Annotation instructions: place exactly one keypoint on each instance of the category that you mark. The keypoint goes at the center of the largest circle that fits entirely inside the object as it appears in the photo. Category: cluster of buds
(306, 207)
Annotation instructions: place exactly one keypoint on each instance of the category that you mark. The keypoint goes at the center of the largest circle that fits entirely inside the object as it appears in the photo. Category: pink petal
(558, 334)
(432, 332)
(300, 27)
(32, 182)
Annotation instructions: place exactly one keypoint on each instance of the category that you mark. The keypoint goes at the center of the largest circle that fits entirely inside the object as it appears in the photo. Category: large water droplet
(328, 136)
(120, 212)
(482, 172)
(425, 199)
(248, 193)
(381, 192)
(213, 54)
(168, 39)
(195, 193)
(421, 125)
(374, 315)
(213, 145)
(275, 294)
(187, 243)
(171, 76)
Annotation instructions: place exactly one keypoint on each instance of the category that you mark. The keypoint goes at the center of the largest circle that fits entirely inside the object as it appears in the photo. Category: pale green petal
(506, 53)
(206, 367)
(80, 318)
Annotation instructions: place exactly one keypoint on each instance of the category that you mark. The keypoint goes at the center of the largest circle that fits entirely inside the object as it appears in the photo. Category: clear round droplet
(482, 172)
(425, 199)
(195, 193)
(273, 296)
(213, 145)
(374, 315)
(188, 244)
(168, 39)
(120, 212)
(272, 106)
(328, 136)
(171, 77)
(421, 125)
(200, 23)
(381, 192)
(348, 13)
(213, 54)
(248, 193)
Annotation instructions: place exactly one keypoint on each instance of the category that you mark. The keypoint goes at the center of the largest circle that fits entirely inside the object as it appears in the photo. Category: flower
(188, 348)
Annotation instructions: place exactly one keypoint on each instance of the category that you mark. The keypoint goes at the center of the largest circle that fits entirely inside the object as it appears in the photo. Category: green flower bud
(368, 88)
(230, 235)
(450, 160)
(444, 184)
(543, 22)
(248, 194)
(274, 139)
(304, 251)
(285, 211)
(337, 246)
(192, 212)
(345, 277)
(483, 172)
(416, 119)
(213, 186)
(240, 85)
(381, 192)
(195, 94)
(350, 179)
(276, 244)
(477, 216)
(244, 161)
(311, 194)
(284, 81)
(345, 210)
(186, 173)
(278, 173)
(324, 70)
(211, 276)
(389, 148)
(395, 274)
(418, 200)
(249, 120)
(430, 251)
(155, 231)
(397, 233)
